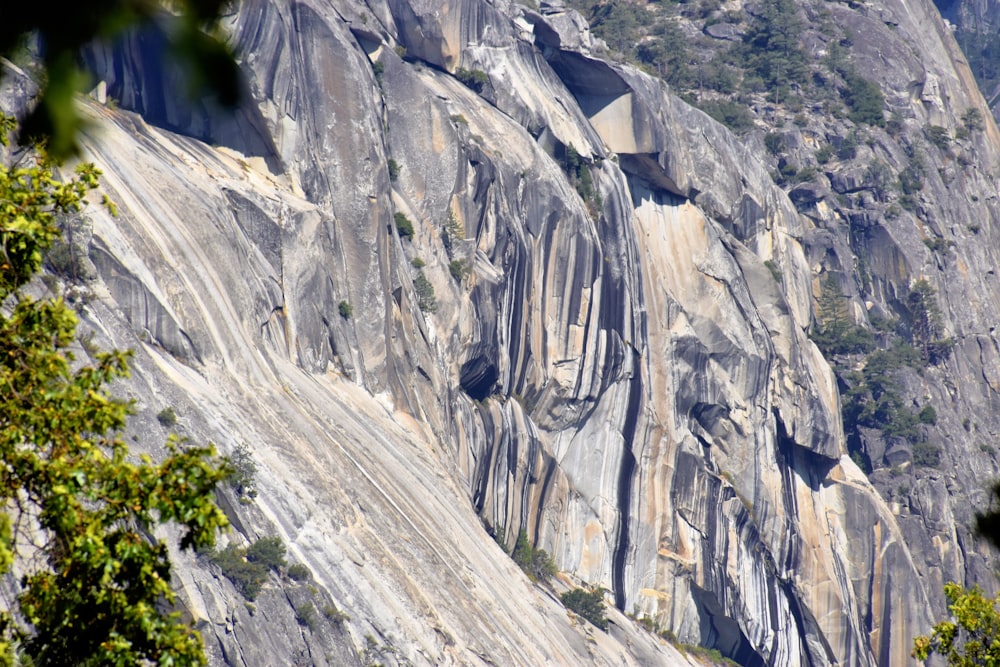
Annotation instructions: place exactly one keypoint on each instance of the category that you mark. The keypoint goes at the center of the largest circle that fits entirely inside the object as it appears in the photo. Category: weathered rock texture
(616, 371)
(976, 25)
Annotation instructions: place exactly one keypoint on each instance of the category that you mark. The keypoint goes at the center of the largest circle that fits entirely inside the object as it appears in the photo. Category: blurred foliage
(971, 637)
(61, 28)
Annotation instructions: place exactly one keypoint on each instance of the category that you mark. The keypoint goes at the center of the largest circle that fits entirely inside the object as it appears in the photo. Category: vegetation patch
(972, 121)
(459, 269)
(242, 476)
(422, 287)
(335, 615)
(454, 232)
(710, 654)
(588, 604)
(305, 615)
(836, 333)
(926, 455)
(403, 225)
(864, 99)
(872, 393)
(299, 572)
(971, 636)
(247, 568)
(732, 114)
(939, 136)
(578, 170)
(536, 563)
(167, 417)
(474, 79)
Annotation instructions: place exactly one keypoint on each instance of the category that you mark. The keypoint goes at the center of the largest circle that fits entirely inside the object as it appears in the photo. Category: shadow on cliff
(140, 77)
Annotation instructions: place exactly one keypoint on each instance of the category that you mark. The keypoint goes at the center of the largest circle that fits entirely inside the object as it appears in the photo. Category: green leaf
(94, 598)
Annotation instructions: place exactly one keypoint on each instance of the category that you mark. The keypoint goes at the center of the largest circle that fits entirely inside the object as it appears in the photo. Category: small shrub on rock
(735, 116)
(475, 79)
(536, 563)
(774, 143)
(247, 567)
(305, 615)
(588, 604)
(458, 269)
(939, 136)
(426, 299)
(403, 225)
(167, 417)
(928, 415)
(972, 120)
(926, 455)
(335, 615)
(268, 551)
(299, 572)
(247, 577)
(864, 99)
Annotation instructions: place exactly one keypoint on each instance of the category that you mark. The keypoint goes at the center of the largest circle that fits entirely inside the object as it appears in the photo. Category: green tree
(874, 396)
(972, 637)
(735, 116)
(63, 27)
(536, 563)
(424, 290)
(832, 310)
(269, 552)
(835, 332)
(773, 46)
(96, 590)
(864, 99)
(617, 23)
(403, 225)
(925, 322)
(589, 604)
(458, 268)
(972, 120)
(668, 53)
(476, 79)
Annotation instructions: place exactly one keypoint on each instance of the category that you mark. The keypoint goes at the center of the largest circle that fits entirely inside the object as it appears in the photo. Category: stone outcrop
(620, 369)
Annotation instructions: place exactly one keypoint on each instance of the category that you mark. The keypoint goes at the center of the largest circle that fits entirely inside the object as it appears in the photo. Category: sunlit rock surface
(617, 372)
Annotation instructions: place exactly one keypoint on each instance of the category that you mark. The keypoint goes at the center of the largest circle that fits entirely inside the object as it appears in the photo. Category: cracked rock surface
(622, 370)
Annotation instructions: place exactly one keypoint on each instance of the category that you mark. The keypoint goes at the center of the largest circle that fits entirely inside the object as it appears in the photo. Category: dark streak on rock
(625, 477)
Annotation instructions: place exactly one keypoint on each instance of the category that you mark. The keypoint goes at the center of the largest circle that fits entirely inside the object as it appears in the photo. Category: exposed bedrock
(594, 332)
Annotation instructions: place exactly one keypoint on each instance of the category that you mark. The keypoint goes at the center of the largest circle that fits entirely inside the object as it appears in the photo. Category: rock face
(975, 26)
(596, 333)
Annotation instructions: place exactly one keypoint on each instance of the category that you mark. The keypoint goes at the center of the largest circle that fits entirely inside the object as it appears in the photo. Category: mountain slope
(596, 332)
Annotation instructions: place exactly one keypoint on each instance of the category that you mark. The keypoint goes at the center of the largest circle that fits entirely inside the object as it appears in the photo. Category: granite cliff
(595, 329)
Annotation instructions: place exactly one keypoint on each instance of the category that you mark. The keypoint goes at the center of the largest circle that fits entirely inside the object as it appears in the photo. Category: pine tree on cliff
(835, 332)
